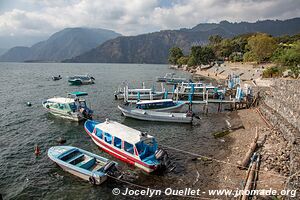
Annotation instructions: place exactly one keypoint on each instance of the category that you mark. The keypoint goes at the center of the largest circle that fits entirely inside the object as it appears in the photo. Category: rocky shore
(278, 122)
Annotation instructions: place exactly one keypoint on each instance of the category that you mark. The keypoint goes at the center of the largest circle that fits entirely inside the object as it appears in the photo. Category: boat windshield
(146, 148)
(156, 105)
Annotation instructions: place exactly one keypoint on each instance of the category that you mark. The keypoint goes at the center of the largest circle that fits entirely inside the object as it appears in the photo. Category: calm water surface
(23, 176)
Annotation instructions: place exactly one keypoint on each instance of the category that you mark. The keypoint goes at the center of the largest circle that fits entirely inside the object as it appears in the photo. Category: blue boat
(81, 80)
(81, 163)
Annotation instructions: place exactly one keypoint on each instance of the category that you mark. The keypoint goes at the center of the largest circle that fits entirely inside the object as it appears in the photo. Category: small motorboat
(161, 105)
(83, 164)
(72, 107)
(170, 78)
(56, 78)
(129, 145)
(81, 80)
(149, 115)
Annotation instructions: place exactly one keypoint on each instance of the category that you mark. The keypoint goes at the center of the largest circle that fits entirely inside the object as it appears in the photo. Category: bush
(272, 72)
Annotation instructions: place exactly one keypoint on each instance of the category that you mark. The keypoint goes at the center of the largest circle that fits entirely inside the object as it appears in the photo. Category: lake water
(25, 176)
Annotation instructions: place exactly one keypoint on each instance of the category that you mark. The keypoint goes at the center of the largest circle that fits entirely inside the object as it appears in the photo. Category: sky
(24, 22)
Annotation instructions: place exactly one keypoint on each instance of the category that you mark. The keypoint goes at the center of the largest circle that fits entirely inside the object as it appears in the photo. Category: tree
(174, 54)
(215, 39)
(201, 55)
(183, 60)
(261, 47)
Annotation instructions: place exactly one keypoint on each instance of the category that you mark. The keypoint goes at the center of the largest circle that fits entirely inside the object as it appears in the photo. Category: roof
(121, 131)
(61, 100)
(154, 101)
(78, 94)
(139, 90)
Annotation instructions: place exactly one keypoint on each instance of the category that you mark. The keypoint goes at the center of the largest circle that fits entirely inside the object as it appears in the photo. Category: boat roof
(61, 100)
(123, 132)
(139, 90)
(78, 94)
(154, 101)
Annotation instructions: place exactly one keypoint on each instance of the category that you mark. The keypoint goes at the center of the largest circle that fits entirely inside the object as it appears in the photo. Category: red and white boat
(127, 144)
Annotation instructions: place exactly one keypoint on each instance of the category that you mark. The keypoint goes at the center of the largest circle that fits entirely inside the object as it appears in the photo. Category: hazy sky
(22, 22)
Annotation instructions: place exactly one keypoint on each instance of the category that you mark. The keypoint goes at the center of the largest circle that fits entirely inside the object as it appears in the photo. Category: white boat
(73, 107)
(138, 94)
(81, 80)
(161, 105)
(169, 78)
(148, 115)
(198, 89)
(81, 163)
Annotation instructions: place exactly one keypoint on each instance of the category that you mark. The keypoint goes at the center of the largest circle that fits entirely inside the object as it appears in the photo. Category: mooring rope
(221, 161)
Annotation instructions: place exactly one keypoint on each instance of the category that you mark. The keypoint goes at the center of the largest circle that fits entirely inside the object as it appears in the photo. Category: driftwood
(253, 145)
(249, 183)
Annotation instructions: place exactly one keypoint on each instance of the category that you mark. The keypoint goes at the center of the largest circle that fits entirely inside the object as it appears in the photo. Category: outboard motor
(165, 162)
(111, 169)
(87, 113)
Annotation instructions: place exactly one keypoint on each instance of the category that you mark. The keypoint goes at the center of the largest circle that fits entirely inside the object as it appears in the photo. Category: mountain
(64, 44)
(154, 47)
(2, 51)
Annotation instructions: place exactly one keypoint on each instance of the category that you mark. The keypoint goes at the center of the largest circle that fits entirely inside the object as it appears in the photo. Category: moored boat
(161, 105)
(129, 145)
(56, 78)
(149, 115)
(138, 94)
(169, 78)
(72, 107)
(81, 163)
(81, 80)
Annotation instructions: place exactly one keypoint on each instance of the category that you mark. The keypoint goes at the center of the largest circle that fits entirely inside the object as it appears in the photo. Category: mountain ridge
(61, 45)
(154, 47)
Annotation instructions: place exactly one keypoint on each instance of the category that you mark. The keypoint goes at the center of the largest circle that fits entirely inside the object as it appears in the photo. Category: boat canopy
(154, 101)
(123, 132)
(61, 100)
(78, 94)
(139, 90)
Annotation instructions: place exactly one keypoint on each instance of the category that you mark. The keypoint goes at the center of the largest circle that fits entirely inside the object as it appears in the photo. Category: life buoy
(92, 180)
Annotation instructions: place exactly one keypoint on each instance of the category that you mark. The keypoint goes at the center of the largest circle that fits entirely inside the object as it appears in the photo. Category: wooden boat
(149, 115)
(81, 163)
(127, 144)
(162, 105)
(81, 80)
(138, 94)
(73, 107)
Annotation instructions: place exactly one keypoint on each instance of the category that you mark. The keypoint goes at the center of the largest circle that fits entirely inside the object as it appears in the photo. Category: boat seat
(88, 163)
(75, 159)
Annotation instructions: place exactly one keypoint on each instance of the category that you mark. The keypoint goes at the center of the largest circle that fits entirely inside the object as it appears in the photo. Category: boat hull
(76, 116)
(155, 116)
(98, 180)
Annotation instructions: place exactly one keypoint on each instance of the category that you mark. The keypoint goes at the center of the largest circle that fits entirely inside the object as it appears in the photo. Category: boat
(72, 107)
(56, 78)
(161, 105)
(169, 78)
(129, 145)
(81, 80)
(149, 115)
(198, 89)
(138, 94)
(83, 164)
